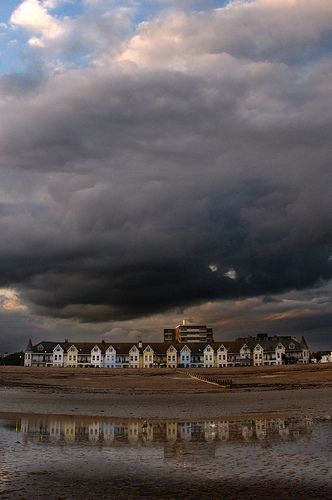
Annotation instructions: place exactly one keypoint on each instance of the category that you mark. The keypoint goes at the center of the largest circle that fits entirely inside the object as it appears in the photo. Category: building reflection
(180, 440)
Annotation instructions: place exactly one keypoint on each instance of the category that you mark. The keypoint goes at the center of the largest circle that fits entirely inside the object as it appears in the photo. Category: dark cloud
(133, 188)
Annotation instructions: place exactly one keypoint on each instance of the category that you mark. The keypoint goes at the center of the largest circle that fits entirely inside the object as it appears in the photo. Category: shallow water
(76, 457)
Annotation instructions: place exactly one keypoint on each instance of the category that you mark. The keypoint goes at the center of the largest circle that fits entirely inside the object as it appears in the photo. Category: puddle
(76, 457)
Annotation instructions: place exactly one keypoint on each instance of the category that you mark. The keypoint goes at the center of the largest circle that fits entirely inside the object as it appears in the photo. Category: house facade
(261, 350)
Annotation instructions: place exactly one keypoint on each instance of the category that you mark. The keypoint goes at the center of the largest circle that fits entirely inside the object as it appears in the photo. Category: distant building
(276, 350)
(188, 333)
(322, 357)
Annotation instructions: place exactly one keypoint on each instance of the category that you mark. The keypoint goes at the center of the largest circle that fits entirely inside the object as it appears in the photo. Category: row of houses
(256, 351)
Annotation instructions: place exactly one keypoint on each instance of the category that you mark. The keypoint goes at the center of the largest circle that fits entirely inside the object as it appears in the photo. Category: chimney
(184, 322)
(140, 345)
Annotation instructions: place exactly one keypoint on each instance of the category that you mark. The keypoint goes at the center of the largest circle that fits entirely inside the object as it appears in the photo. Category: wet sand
(167, 394)
(74, 458)
(36, 467)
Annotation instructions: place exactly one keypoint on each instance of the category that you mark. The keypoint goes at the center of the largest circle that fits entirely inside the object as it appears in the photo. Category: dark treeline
(14, 359)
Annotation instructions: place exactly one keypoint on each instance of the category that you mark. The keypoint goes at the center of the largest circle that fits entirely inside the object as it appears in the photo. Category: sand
(167, 394)
(287, 469)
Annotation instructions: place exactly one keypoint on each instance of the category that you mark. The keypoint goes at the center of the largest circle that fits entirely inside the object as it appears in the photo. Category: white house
(208, 357)
(221, 361)
(110, 357)
(58, 355)
(96, 357)
(185, 357)
(134, 357)
(28, 359)
(280, 351)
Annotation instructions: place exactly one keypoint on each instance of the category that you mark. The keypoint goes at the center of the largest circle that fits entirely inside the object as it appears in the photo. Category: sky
(165, 160)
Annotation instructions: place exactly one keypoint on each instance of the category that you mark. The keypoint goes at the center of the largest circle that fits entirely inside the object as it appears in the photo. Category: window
(55, 357)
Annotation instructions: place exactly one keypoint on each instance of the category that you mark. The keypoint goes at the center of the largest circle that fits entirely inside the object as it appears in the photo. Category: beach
(83, 433)
(168, 394)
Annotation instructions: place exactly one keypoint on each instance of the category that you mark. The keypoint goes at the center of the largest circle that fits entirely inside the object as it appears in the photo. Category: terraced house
(261, 350)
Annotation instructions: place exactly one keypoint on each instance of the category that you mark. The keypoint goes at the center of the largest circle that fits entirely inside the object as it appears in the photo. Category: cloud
(258, 30)
(56, 39)
(231, 274)
(201, 143)
(9, 300)
(33, 16)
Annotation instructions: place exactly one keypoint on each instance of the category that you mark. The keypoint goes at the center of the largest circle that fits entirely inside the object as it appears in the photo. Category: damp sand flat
(311, 402)
(81, 457)
(163, 380)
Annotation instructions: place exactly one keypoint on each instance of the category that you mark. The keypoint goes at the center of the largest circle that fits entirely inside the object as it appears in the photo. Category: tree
(15, 359)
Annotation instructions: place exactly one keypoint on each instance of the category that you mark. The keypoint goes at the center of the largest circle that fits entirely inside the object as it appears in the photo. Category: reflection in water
(104, 432)
(73, 457)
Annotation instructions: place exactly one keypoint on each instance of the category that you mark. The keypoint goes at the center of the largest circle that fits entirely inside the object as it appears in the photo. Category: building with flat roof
(188, 333)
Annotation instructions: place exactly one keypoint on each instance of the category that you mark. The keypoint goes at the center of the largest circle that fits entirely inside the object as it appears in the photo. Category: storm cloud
(186, 163)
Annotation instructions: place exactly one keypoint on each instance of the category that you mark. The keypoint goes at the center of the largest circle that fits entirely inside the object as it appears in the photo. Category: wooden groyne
(225, 383)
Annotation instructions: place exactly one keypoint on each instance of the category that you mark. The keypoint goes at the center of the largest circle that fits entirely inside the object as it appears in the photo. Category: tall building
(188, 333)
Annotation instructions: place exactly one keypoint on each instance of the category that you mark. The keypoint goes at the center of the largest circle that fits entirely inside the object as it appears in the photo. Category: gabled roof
(171, 346)
(58, 344)
(185, 348)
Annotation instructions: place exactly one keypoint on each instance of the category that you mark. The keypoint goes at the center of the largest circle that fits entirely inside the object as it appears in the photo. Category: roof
(47, 346)
(269, 344)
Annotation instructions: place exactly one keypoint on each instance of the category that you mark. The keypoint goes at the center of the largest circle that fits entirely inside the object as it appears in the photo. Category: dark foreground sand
(295, 469)
(167, 394)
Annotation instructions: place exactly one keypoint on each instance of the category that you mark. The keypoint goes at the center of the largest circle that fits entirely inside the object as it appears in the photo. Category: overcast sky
(163, 160)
